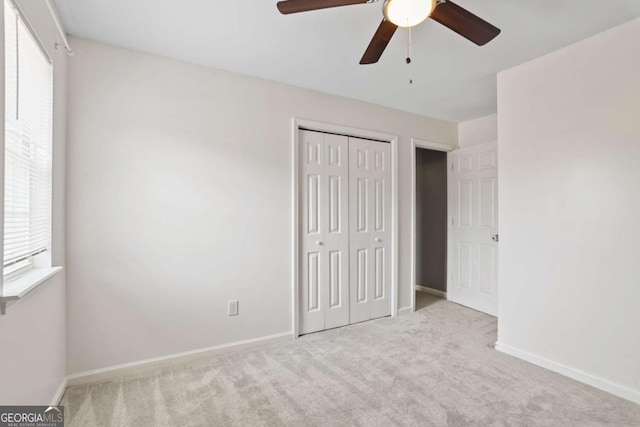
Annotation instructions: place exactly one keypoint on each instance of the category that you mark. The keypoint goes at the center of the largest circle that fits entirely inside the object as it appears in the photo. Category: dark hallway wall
(431, 219)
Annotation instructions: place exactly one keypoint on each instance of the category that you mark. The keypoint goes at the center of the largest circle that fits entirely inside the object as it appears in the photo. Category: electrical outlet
(232, 308)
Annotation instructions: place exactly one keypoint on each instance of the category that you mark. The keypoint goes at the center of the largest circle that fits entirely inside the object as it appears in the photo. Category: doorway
(431, 225)
(471, 226)
(430, 198)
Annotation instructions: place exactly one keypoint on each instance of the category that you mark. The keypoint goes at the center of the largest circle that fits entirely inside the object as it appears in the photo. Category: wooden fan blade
(379, 42)
(464, 23)
(295, 6)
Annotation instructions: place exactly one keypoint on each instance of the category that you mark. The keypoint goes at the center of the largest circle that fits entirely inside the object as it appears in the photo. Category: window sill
(21, 286)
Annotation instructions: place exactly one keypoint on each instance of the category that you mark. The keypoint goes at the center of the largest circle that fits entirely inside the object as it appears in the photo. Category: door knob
(495, 238)
(319, 243)
(377, 239)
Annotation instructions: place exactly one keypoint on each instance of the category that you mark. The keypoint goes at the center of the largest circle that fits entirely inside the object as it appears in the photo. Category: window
(28, 148)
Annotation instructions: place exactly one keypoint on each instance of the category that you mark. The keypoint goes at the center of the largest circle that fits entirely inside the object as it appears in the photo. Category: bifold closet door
(369, 229)
(324, 231)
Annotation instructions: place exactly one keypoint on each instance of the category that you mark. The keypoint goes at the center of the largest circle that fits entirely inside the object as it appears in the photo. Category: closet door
(336, 224)
(381, 229)
(370, 229)
(324, 225)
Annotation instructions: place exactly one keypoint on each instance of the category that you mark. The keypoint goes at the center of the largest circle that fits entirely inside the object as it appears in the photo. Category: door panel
(381, 233)
(486, 277)
(361, 202)
(370, 243)
(324, 273)
(311, 232)
(487, 196)
(474, 221)
(360, 236)
(335, 279)
(362, 271)
(465, 197)
(335, 204)
(313, 204)
(379, 269)
(313, 283)
(378, 203)
(465, 259)
(336, 178)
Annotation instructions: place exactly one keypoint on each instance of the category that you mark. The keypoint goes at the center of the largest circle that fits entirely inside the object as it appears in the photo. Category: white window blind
(28, 143)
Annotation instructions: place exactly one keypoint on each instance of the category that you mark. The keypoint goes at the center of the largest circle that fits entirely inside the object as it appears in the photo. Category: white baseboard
(404, 310)
(583, 377)
(59, 393)
(431, 291)
(108, 373)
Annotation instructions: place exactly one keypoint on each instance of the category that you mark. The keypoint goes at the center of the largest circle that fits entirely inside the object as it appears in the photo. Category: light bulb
(408, 13)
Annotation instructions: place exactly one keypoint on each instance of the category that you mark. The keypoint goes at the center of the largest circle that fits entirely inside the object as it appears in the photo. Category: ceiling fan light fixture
(408, 13)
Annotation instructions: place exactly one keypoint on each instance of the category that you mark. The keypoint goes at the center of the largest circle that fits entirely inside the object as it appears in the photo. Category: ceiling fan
(406, 13)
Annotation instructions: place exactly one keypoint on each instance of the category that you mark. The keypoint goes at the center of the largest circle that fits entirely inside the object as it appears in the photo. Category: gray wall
(187, 172)
(431, 219)
(569, 135)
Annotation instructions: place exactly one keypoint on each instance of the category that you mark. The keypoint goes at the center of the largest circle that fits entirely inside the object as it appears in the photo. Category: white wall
(32, 333)
(179, 179)
(478, 131)
(569, 135)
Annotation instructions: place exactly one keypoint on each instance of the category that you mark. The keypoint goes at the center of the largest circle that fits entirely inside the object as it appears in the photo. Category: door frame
(297, 125)
(436, 146)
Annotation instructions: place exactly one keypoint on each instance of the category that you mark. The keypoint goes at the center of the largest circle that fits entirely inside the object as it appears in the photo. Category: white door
(474, 228)
(324, 231)
(370, 229)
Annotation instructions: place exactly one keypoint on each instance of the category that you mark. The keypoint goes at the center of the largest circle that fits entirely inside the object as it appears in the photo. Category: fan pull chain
(409, 59)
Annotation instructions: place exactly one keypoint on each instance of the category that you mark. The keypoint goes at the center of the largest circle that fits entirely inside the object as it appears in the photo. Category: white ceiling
(452, 78)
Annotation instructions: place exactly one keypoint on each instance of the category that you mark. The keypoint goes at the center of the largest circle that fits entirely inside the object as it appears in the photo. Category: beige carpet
(435, 367)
